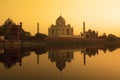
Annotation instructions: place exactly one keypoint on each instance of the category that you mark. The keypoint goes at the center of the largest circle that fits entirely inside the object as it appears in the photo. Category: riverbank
(66, 42)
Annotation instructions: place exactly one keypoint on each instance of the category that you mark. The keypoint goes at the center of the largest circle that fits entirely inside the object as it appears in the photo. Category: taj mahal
(60, 29)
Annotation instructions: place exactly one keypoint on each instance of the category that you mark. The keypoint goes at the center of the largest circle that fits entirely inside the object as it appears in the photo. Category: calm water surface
(18, 63)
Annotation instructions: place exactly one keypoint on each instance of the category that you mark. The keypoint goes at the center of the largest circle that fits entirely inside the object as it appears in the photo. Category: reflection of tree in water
(13, 55)
(60, 58)
(109, 48)
(112, 48)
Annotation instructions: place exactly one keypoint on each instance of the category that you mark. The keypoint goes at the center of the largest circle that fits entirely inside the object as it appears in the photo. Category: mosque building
(89, 34)
(60, 29)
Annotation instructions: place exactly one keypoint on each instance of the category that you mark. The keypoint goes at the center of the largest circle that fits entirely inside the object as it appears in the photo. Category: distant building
(60, 29)
(89, 34)
(11, 31)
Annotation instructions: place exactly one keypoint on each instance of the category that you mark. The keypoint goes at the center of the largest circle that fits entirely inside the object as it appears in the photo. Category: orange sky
(100, 15)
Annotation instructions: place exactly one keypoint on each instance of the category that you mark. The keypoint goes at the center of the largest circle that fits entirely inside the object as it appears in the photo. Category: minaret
(84, 29)
(37, 27)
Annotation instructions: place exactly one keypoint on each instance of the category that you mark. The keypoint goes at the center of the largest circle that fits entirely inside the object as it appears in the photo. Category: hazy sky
(100, 15)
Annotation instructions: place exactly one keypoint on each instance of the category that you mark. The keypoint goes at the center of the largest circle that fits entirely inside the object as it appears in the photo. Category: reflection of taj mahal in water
(61, 57)
(60, 29)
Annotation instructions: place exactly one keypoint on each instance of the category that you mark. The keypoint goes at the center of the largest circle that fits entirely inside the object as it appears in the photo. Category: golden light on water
(100, 15)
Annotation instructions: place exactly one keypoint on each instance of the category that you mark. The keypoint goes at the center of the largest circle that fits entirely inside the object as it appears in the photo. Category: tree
(40, 36)
(104, 36)
(111, 37)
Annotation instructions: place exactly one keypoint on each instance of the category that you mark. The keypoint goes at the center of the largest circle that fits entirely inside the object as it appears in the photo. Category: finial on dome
(60, 14)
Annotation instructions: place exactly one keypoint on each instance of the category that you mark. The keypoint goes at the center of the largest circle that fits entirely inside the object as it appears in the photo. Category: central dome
(60, 21)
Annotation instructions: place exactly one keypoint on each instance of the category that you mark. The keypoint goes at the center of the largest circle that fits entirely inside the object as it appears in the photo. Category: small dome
(60, 21)
(69, 25)
(9, 21)
(89, 30)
